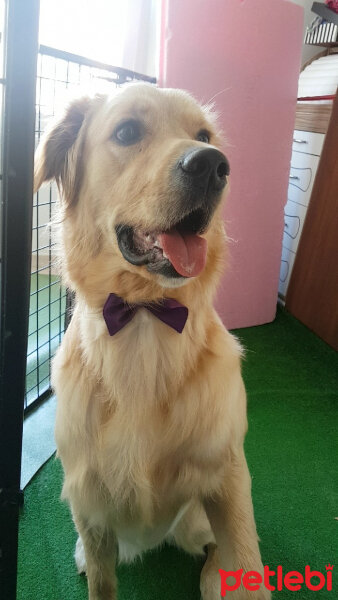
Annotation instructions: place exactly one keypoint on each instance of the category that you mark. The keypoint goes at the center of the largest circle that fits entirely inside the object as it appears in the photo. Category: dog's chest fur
(138, 363)
(141, 438)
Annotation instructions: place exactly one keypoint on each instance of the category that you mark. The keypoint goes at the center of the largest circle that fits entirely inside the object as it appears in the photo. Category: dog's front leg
(100, 549)
(232, 520)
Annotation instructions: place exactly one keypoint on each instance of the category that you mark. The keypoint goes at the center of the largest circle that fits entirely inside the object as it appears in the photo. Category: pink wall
(246, 53)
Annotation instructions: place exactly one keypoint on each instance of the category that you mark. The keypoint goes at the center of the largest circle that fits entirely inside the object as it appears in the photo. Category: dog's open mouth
(176, 252)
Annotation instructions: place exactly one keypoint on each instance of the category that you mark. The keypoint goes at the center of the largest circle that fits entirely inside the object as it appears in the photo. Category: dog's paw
(211, 584)
(211, 590)
(243, 594)
(79, 556)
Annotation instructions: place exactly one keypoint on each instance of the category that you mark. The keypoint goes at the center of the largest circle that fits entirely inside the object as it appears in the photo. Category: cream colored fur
(150, 423)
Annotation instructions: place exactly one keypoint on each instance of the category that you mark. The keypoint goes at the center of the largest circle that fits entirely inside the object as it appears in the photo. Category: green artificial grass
(292, 382)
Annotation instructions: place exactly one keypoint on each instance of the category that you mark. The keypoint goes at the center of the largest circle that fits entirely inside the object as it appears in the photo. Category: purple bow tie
(117, 313)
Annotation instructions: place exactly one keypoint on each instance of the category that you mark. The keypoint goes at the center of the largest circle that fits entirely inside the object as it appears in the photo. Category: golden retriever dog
(151, 412)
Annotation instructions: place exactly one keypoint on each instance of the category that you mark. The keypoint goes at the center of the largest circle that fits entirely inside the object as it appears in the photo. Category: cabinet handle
(301, 141)
(294, 177)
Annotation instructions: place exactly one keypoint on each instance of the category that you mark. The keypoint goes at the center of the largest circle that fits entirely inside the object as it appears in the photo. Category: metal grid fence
(60, 76)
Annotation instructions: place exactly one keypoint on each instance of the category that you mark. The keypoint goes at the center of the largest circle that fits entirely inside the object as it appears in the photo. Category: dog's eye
(203, 136)
(128, 133)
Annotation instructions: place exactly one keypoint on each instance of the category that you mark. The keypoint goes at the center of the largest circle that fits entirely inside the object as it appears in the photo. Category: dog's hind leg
(193, 532)
(96, 551)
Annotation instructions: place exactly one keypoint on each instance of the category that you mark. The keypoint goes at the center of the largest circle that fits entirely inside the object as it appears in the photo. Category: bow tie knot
(117, 313)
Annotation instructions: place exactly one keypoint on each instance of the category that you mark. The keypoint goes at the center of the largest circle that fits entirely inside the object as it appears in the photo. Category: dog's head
(141, 179)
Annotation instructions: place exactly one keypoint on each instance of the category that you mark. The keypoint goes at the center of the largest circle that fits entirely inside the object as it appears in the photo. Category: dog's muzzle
(197, 181)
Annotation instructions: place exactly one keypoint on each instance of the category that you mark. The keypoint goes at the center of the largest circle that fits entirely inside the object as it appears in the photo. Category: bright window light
(92, 28)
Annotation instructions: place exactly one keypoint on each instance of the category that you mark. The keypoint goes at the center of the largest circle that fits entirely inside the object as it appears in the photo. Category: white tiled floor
(38, 443)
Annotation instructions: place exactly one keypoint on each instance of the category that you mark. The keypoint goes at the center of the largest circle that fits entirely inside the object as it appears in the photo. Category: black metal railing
(19, 47)
(59, 76)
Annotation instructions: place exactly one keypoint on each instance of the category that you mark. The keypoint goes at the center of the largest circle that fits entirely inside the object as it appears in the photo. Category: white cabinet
(294, 217)
(302, 174)
(308, 142)
(306, 149)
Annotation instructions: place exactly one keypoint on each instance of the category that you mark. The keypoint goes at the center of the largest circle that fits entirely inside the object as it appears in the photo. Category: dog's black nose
(207, 168)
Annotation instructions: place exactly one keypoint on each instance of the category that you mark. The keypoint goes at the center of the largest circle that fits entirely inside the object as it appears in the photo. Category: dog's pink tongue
(187, 252)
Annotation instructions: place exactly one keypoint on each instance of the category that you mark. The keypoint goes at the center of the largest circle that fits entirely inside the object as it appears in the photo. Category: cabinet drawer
(287, 262)
(302, 175)
(294, 217)
(308, 142)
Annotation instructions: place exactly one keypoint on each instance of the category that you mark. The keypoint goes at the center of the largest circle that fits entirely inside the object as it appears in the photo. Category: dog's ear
(58, 155)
